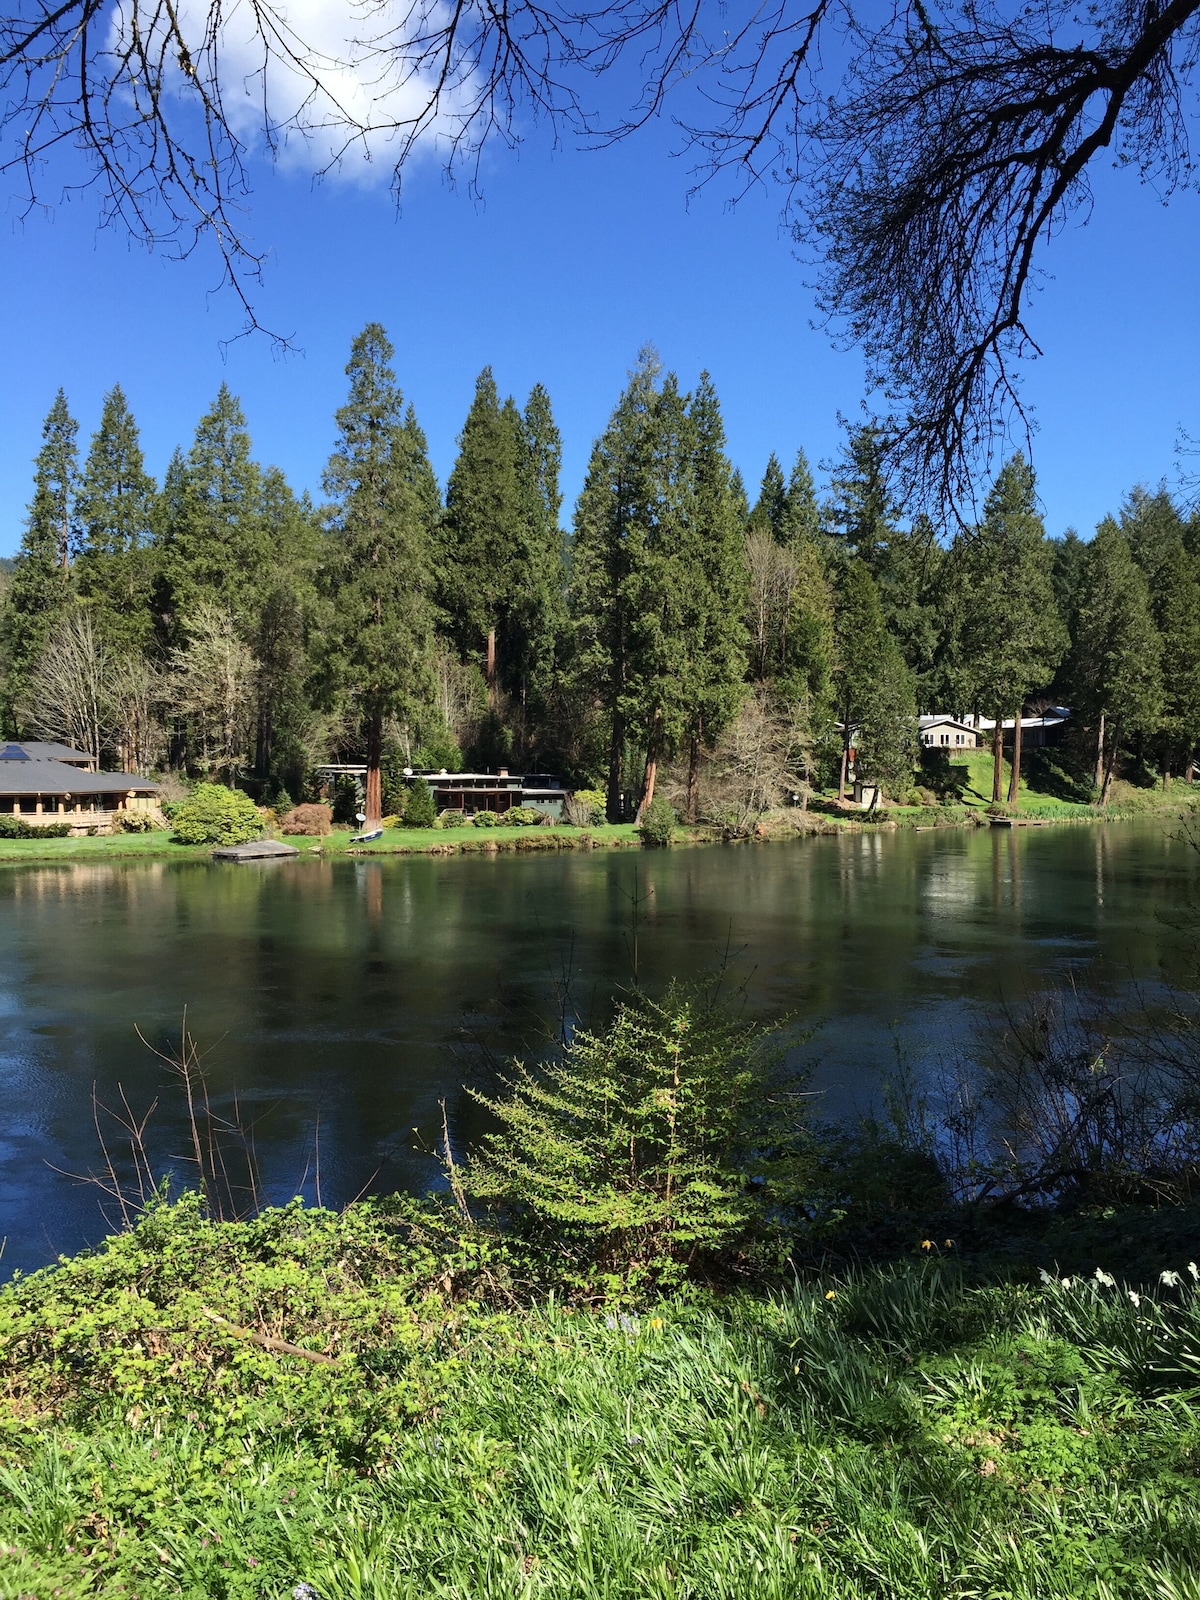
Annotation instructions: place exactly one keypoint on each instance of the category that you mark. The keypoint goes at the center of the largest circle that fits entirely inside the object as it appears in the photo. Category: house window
(945, 738)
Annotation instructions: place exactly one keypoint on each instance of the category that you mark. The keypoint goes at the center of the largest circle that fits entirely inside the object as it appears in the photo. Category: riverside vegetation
(677, 639)
(663, 1333)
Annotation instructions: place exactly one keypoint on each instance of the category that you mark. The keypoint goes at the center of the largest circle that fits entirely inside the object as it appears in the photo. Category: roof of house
(936, 720)
(23, 773)
(50, 750)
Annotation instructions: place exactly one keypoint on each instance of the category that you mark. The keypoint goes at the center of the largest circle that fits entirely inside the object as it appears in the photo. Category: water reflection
(358, 994)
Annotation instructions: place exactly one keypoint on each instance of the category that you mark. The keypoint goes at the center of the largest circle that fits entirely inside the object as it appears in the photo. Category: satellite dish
(360, 816)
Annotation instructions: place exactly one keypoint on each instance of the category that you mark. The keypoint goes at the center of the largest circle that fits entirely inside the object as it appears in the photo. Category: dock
(256, 850)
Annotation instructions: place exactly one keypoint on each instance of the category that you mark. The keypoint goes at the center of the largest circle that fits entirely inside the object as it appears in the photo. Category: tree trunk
(1099, 778)
(845, 760)
(374, 786)
(648, 784)
(693, 778)
(1014, 780)
(651, 777)
(997, 761)
(1190, 770)
(489, 668)
(1110, 764)
(616, 749)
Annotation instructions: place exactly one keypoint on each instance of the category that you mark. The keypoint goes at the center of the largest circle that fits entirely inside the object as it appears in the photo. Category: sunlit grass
(897, 1433)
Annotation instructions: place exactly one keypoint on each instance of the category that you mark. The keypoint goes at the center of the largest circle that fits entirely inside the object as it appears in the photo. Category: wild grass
(898, 1431)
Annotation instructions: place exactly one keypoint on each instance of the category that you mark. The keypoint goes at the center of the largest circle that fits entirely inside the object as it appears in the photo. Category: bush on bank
(213, 814)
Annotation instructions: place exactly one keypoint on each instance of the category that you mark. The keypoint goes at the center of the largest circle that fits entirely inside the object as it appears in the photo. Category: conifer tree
(862, 650)
(538, 615)
(214, 545)
(715, 577)
(1115, 669)
(1177, 614)
(861, 507)
(628, 594)
(114, 508)
(482, 536)
(378, 634)
(1007, 635)
(770, 508)
(887, 734)
(41, 581)
(1157, 541)
(800, 523)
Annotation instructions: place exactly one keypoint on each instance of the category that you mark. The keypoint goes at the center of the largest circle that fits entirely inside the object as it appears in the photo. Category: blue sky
(572, 261)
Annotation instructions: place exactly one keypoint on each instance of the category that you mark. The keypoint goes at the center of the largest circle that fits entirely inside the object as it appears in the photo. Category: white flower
(1103, 1277)
(1045, 1276)
(1134, 1296)
(1171, 1279)
(1194, 1270)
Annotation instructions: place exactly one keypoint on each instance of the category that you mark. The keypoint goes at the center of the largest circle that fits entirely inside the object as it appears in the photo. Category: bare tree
(760, 761)
(138, 689)
(71, 692)
(926, 166)
(213, 683)
(771, 570)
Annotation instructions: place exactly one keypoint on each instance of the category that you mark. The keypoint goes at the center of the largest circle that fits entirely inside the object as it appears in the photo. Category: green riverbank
(1045, 796)
(363, 1407)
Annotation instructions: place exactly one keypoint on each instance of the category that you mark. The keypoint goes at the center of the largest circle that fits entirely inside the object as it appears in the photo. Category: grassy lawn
(897, 1432)
(395, 841)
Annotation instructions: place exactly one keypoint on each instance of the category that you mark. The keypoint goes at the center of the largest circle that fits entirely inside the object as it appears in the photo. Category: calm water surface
(341, 1002)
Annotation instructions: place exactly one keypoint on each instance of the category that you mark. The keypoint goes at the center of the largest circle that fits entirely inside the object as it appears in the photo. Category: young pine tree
(378, 634)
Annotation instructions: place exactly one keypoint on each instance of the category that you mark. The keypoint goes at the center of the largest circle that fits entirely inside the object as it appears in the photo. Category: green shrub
(658, 823)
(486, 819)
(133, 822)
(656, 1147)
(587, 808)
(453, 819)
(420, 808)
(524, 817)
(212, 814)
(17, 828)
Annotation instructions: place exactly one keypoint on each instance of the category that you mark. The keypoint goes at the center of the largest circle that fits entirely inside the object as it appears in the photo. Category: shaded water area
(342, 1001)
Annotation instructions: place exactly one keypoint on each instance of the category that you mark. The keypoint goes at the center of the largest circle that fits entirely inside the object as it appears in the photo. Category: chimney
(504, 772)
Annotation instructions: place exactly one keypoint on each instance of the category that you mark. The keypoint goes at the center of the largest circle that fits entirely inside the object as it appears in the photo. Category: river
(339, 1003)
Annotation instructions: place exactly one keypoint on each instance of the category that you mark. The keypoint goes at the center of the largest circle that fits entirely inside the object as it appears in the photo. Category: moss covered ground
(351, 1407)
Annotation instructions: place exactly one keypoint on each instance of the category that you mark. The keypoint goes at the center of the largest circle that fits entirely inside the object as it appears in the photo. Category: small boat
(362, 838)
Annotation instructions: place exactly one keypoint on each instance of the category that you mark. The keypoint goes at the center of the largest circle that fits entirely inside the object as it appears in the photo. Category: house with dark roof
(44, 782)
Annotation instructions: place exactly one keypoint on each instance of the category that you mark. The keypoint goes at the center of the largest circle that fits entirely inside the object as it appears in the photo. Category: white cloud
(340, 83)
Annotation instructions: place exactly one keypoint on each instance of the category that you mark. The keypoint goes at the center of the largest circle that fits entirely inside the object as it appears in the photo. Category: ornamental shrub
(486, 819)
(420, 808)
(453, 819)
(212, 814)
(525, 817)
(313, 821)
(133, 822)
(658, 823)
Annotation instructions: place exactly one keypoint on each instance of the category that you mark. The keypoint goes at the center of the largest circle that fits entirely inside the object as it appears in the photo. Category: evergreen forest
(677, 633)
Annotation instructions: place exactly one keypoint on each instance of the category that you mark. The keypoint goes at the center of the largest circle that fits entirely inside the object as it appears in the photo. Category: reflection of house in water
(44, 783)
